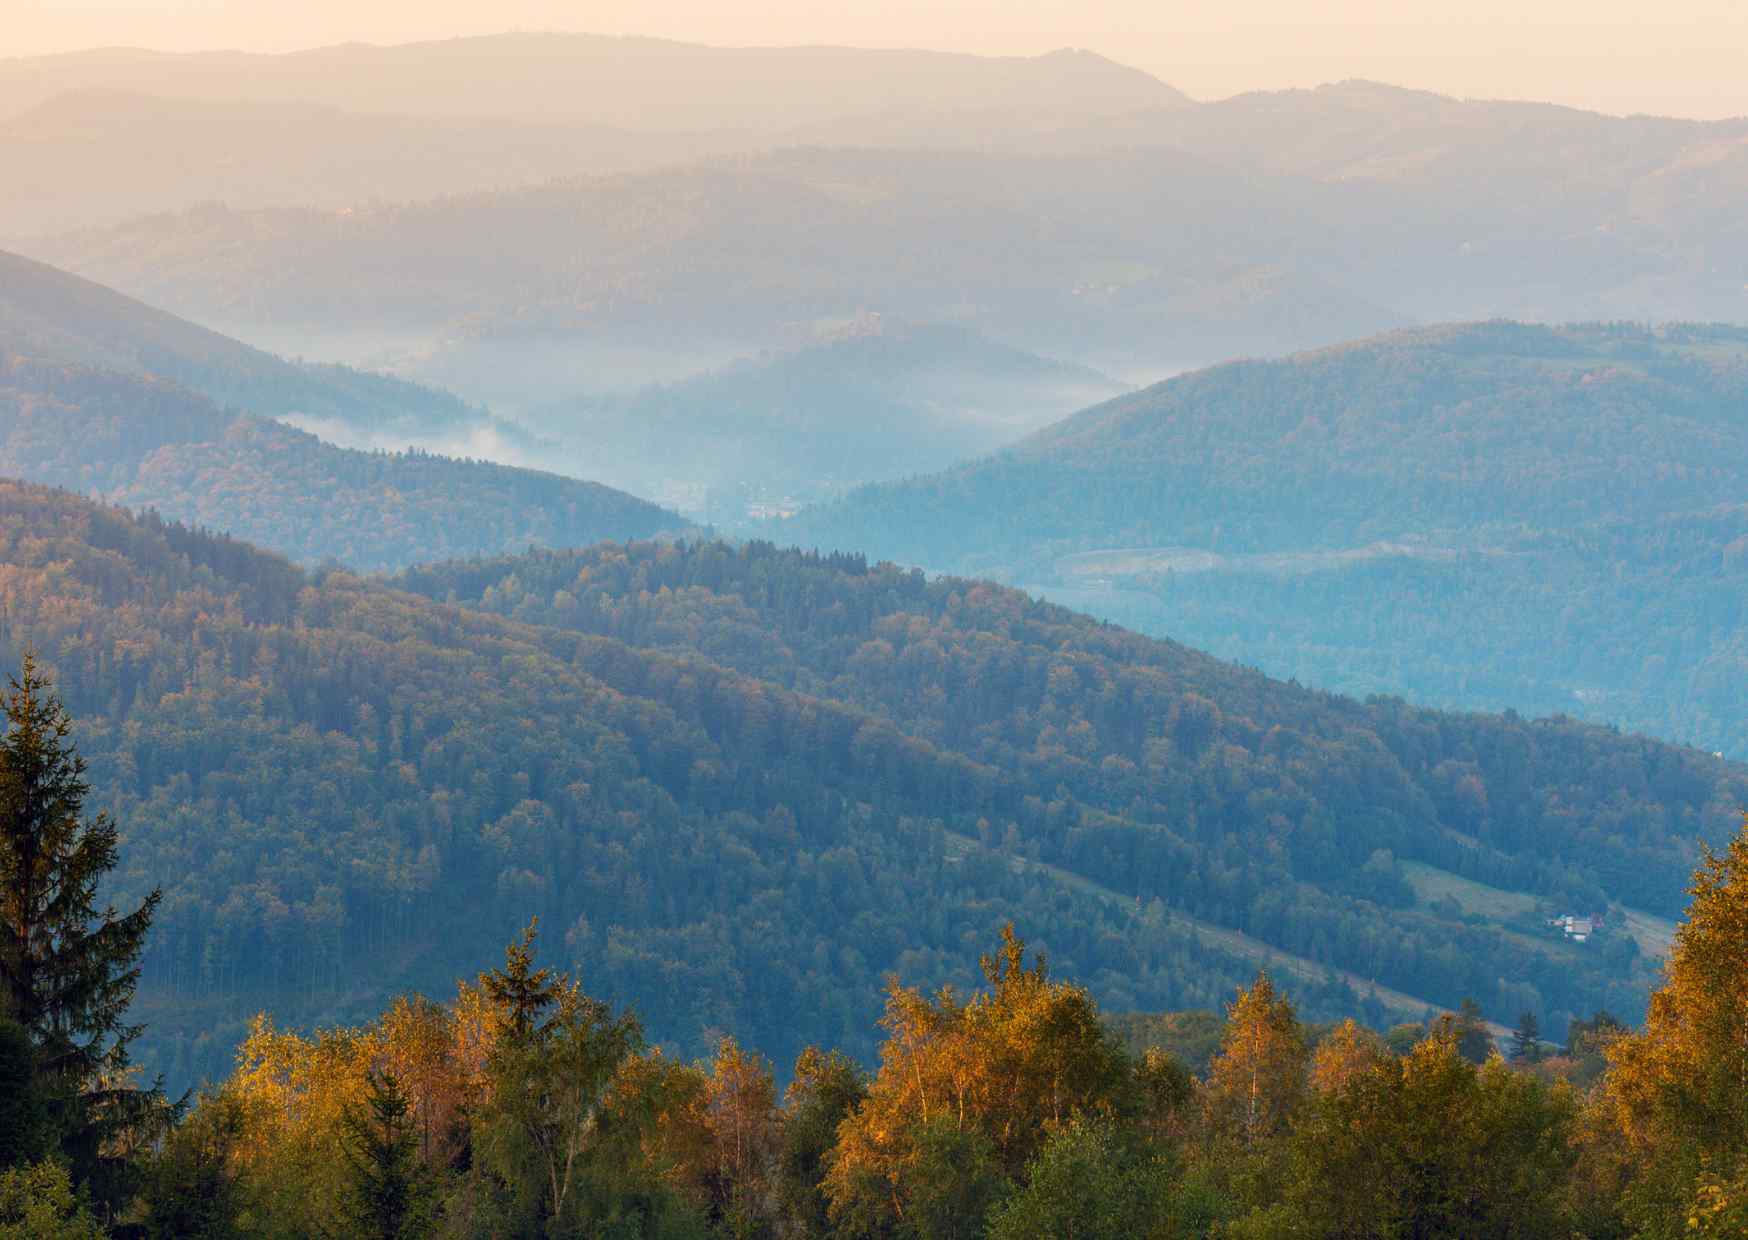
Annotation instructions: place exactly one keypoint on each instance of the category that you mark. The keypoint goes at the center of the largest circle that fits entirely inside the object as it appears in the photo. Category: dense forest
(1010, 1109)
(1640, 623)
(747, 783)
(1445, 433)
(152, 444)
(1362, 518)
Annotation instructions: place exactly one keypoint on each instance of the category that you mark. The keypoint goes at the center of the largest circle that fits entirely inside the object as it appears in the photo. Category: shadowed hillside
(151, 444)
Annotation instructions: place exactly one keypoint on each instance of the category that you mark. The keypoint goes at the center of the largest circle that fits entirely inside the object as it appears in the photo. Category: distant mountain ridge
(1139, 261)
(1275, 220)
(867, 400)
(97, 156)
(627, 82)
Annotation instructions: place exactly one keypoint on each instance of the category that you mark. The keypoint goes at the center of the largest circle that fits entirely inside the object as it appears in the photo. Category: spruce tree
(390, 1194)
(520, 990)
(67, 971)
(1526, 1040)
(24, 1132)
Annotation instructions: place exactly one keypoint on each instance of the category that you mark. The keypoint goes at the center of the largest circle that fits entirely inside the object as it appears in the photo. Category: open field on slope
(1236, 942)
(1653, 934)
(1494, 903)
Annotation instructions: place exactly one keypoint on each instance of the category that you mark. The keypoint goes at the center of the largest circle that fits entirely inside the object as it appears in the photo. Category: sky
(1673, 57)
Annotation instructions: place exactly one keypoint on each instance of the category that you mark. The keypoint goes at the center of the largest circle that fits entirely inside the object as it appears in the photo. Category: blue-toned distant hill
(873, 400)
(149, 443)
(1490, 515)
(53, 315)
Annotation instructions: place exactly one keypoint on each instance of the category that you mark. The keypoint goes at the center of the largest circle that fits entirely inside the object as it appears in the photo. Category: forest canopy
(745, 784)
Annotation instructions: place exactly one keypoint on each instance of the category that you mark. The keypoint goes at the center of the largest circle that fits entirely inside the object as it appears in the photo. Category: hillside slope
(1486, 516)
(54, 315)
(729, 783)
(1428, 432)
(148, 443)
(871, 400)
(1160, 773)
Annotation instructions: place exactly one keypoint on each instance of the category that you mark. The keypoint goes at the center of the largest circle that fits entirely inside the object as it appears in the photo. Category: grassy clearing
(1653, 934)
(1494, 903)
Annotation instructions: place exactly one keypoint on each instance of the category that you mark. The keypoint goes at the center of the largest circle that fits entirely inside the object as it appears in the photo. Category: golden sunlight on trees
(1678, 1089)
(968, 1090)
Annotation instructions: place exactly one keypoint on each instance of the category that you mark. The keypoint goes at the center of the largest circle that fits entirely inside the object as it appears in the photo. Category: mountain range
(1147, 261)
(646, 239)
(363, 703)
(632, 83)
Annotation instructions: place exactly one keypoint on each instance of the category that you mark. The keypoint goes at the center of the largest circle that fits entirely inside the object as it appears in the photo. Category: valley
(619, 637)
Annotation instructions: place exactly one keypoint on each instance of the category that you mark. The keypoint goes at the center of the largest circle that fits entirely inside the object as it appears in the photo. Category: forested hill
(740, 786)
(1484, 517)
(1428, 432)
(55, 315)
(1115, 720)
(149, 443)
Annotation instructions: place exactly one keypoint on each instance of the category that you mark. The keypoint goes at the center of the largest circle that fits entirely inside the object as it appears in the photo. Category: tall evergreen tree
(390, 1194)
(67, 971)
(1469, 1029)
(24, 1132)
(522, 991)
(1526, 1040)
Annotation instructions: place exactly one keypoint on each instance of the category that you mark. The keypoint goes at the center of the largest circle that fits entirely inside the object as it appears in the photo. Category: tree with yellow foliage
(294, 1094)
(740, 1109)
(1679, 1088)
(967, 1094)
(1257, 1080)
(1425, 1146)
(1345, 1054)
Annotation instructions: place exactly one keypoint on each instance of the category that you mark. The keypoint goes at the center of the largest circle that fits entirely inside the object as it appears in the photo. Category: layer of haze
(1680, 58)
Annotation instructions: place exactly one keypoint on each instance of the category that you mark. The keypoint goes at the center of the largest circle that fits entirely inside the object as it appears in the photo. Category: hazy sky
(1680, 57)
